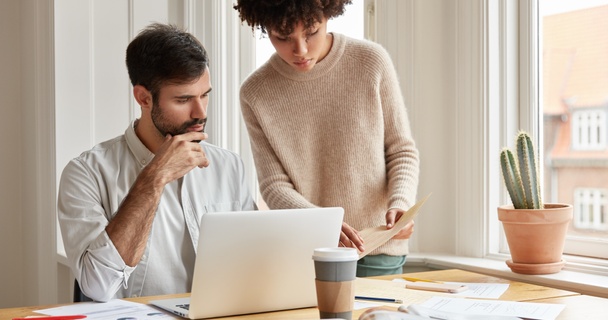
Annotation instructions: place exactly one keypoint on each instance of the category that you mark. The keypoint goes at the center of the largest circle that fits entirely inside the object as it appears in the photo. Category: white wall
(433, 110)
(38, 148)
(420, 37)
(436, 64)
(11, 246)
(65, 88)
(93, 93)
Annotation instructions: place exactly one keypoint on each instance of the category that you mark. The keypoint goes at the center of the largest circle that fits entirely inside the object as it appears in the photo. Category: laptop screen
(259, 261)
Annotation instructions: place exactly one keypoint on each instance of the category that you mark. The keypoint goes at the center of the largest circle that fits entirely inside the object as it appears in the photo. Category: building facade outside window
(574, 86)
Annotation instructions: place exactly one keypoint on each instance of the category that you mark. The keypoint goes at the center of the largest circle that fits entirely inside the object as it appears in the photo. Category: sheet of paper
(389, 315)
(482, 290)
(475, 290)
(111, 310)
(364, 305)
(389, 289)
(377, 236)
(531, 310)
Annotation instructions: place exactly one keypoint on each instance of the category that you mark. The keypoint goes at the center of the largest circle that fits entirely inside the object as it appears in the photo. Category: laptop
(256, 261)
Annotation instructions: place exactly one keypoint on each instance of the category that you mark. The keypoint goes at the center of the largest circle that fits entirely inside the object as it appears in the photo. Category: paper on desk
(377, 236)
(389, 289)
(476, 290)
(531, 310)
(482, 290)
(113, 309)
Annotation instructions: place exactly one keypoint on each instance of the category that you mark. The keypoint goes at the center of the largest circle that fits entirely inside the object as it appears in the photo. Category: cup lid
(335, 254)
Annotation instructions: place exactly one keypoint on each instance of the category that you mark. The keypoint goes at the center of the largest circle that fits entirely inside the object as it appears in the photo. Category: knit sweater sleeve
(401, 154)
(276, 187)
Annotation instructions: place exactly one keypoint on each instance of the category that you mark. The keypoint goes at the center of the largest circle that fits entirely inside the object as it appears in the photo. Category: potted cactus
(535, 231)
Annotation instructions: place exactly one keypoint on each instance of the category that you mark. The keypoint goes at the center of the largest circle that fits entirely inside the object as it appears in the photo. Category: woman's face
(303, 48)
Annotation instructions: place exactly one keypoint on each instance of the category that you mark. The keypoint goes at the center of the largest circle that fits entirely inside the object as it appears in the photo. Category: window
(574, 103)
(589, 130)
(590, 210)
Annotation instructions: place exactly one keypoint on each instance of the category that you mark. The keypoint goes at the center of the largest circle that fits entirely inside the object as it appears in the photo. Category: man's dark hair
(282, 15)
(165, 54)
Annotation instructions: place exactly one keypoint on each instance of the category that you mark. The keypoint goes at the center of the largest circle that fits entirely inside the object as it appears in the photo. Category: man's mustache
(196, 122)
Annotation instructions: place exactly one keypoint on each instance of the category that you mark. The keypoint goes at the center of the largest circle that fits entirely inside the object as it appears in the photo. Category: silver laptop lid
(259, 261)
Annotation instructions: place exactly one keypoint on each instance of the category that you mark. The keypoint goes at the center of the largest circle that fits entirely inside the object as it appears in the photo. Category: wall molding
(39, 167)
(446, 48)
(471, 99)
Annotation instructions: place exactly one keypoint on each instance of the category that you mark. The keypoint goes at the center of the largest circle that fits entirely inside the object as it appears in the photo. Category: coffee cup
(335, 270)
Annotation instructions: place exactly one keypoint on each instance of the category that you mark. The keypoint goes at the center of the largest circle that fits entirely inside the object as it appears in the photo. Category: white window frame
(492, 78)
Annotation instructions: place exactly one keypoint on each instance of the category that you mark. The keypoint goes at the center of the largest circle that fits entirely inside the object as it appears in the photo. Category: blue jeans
(380, 265)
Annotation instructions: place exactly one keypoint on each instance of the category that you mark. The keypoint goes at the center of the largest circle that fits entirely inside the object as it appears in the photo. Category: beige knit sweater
(337, 135)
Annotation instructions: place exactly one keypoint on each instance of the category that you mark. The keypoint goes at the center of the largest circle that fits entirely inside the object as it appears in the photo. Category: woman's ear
(142, 96)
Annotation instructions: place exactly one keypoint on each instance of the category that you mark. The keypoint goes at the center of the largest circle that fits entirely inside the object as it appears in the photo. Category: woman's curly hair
(282, 15)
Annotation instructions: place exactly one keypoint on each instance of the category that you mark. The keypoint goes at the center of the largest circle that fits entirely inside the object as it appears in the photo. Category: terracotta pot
(536, 237)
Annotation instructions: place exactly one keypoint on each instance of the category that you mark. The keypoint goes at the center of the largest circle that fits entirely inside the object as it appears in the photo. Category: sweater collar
(321, 68)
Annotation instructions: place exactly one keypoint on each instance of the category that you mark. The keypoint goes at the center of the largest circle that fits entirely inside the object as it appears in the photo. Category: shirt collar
(139, 150)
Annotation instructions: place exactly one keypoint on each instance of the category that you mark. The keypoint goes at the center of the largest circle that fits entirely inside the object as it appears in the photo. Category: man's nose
(199, 110)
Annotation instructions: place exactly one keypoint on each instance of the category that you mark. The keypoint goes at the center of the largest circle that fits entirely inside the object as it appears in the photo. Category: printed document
(113, 309)
(531, 310)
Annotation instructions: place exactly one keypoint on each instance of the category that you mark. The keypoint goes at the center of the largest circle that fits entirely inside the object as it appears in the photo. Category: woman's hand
(349, 237)
(394, 215)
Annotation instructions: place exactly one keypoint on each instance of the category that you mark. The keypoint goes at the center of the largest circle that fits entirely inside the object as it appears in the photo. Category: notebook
(256, 261)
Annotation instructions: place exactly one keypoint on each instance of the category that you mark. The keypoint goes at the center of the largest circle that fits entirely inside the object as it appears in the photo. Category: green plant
(521, 177)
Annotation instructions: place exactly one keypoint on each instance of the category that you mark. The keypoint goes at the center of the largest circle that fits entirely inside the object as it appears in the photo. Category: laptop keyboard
(184, 306)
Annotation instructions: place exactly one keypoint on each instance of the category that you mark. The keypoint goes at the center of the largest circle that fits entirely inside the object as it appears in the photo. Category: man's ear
(142, 96)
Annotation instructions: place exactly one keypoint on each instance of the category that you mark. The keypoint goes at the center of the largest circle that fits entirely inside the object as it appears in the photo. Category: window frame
(494, 65)
(581, 253)
(495, 73)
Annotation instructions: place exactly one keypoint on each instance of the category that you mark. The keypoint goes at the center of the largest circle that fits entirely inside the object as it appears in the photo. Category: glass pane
(351, 23)
(574, 79)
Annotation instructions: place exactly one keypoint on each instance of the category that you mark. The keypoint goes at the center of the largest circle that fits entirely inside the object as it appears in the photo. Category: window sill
(576, 276)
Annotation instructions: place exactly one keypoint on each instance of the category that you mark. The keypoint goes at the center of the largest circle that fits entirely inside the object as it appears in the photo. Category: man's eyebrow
(185, 96)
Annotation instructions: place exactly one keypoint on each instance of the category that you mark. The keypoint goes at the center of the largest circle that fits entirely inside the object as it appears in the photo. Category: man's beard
(165, 127)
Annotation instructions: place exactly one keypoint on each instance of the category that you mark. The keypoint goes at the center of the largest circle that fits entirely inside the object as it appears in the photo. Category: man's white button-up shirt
(91, 190)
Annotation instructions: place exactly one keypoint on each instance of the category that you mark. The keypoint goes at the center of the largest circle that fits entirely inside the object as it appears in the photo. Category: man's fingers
(193, 136)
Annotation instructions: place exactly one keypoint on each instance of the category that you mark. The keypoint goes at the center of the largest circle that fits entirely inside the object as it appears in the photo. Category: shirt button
(143, 161)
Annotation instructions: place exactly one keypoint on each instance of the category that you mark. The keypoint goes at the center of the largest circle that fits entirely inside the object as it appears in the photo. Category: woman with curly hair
(328, 125)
